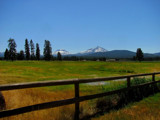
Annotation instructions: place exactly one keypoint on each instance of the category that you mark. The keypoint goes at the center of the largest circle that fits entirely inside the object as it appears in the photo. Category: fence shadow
(118, 101)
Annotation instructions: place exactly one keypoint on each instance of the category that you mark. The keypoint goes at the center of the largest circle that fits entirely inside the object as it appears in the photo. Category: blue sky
(76, 25)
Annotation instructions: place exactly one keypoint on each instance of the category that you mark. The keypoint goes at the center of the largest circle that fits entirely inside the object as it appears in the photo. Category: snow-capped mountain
(62, 51)
(94, 50)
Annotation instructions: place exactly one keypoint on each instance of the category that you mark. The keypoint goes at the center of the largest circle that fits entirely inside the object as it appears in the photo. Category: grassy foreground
(27, 71)
(146, 109)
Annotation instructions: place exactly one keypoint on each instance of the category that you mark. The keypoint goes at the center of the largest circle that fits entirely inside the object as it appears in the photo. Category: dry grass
(147, 109)
(20, 98)
(25, 97)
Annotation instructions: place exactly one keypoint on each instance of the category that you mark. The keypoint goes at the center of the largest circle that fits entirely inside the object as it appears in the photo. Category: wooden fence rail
(76, 100)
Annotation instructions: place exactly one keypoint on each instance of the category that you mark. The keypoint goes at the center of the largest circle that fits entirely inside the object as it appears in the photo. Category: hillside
(118, 54)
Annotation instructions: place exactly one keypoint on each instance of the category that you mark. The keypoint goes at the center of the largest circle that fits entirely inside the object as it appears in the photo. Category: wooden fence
(77, 99)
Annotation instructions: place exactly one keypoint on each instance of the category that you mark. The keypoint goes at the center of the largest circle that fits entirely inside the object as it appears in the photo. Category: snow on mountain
(62, 51)
(94, 50)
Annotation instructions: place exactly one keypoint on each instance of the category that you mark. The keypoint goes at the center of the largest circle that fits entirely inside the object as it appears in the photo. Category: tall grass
(20, 98)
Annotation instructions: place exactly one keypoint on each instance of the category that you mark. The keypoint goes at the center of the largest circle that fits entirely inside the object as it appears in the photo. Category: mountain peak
(94, 50)
(62, 51)
(99, 47)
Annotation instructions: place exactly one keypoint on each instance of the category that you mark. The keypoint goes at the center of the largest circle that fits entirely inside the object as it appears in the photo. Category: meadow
(29, 71)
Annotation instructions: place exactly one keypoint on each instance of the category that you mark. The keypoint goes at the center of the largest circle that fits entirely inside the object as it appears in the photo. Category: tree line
(30, 52)
(33, 53)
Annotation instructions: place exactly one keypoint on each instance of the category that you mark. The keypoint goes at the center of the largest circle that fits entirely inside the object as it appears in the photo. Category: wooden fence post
(128, 82)
(2, 102)
(129, 90)
(155, 89)
(76, 117)
(153, 77)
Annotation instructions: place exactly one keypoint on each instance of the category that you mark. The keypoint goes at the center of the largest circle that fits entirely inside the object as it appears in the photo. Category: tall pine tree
(12, 49)
(37, 52)
(32, 50)
(6, 54)
(47, 50)
(139, 54)
(59, 56)
(27, 52)
(20, 55)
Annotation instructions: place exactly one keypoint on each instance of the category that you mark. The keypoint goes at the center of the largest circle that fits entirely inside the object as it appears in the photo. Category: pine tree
(37, 52)
(12, 49)
(6, 54)
(27, 52)
(32, 49)
(47, 50)
(59, 57)
(20, 55)
(139, 54)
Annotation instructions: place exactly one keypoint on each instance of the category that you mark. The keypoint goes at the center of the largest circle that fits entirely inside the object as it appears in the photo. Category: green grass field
(29, 71)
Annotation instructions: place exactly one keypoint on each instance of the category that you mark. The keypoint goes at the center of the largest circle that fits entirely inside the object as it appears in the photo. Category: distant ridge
(119, 54)
(114, 54)
(157, 54)
(1, 54)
